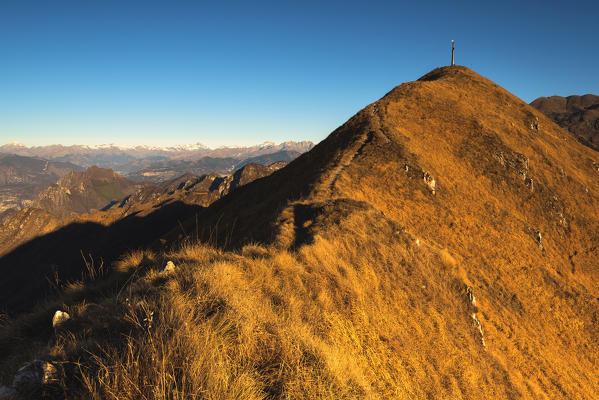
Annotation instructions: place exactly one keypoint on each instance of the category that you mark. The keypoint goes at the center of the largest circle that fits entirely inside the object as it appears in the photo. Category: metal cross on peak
(452, 50)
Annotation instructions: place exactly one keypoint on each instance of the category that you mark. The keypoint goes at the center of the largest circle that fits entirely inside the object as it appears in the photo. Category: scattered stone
(60, 317)
(170, 267)
(530, 183)
(430, 181)
(470, 295)
(34, 375)
(520, 164)
(538, 239)
(534, 124)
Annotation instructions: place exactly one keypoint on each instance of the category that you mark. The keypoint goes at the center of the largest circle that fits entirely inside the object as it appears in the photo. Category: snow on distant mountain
(128, 159)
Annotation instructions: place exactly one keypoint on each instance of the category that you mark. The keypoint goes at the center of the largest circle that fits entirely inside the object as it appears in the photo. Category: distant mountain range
(577, 114)
(26, 171)
(128, 159)
(161, 171)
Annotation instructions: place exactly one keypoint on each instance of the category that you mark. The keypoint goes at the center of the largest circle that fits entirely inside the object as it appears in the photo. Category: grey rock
(31, 377)
(470, 295)
(429, 181)
(534, 124)
(539, 239)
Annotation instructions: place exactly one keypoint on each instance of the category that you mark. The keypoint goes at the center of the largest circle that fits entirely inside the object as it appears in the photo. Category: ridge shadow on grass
(38, 267)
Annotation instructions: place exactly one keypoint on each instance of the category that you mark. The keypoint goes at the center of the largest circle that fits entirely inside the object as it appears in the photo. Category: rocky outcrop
(168, 268)
(201, 190)
(80, 192)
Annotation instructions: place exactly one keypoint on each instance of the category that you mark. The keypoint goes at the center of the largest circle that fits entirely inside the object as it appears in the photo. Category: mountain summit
(460, 165)
(442, 243)
(451, 144)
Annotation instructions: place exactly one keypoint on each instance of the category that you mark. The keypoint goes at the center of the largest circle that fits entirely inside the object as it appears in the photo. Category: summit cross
(452, 50)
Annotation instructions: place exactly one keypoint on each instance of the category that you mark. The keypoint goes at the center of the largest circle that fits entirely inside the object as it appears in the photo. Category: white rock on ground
(170, 267)
(60, 317)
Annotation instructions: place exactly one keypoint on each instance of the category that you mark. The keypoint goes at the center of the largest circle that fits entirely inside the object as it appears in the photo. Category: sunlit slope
(462, 164)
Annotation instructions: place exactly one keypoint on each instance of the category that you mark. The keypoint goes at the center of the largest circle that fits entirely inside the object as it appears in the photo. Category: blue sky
(224, 73)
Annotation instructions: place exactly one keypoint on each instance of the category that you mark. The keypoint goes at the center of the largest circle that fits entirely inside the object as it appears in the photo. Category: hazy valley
(27, 171)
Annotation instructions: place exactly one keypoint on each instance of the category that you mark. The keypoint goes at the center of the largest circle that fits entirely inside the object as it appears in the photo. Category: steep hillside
(578, 114)
(23, 225)
(22, 178)
(80, 192)
(462, 164)
(440, 244)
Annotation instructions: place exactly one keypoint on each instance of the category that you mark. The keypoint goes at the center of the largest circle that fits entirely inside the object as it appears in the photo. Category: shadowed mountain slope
(578, 114)
(442, 243)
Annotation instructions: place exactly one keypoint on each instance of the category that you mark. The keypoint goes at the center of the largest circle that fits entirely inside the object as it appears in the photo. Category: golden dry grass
(328, 321)
(364, 312)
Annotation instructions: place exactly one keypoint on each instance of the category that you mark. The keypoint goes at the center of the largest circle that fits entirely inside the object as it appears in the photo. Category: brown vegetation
(577, 114)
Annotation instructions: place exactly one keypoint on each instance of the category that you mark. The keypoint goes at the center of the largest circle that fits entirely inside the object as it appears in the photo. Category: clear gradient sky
(224, 73)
